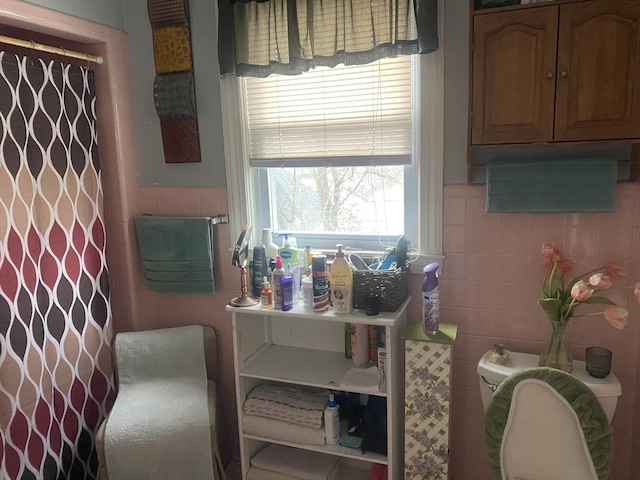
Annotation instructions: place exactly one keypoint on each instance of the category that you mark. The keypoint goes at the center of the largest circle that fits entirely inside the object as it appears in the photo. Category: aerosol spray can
(430, 300)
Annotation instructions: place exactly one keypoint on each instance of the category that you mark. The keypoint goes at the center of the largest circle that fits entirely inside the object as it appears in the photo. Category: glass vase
(557, 353)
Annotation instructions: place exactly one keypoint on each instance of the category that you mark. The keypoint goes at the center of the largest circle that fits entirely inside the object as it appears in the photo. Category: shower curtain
(56, 381)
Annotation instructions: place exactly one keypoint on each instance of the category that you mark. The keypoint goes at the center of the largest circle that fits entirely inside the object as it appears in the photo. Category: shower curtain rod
(46, 48)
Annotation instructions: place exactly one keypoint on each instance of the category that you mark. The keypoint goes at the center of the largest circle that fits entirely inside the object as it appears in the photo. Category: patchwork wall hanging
(174, 88)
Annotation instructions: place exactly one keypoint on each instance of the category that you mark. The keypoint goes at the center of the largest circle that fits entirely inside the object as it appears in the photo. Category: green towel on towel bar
(177, 253)
(552, 186)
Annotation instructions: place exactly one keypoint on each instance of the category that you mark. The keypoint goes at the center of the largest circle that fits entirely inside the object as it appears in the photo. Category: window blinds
(342, 116)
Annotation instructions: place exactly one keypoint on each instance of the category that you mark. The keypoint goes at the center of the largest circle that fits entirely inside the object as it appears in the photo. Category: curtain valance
(259, 38)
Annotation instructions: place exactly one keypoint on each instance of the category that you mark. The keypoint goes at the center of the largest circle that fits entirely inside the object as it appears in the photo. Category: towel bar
(224, 218)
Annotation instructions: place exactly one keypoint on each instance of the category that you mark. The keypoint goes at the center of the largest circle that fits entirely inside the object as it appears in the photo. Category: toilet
(535, 425)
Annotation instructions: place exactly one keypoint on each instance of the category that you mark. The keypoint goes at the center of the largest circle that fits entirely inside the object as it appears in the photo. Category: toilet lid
(572, 393)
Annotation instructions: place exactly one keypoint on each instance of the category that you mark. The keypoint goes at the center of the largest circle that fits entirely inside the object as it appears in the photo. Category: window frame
(428, 162)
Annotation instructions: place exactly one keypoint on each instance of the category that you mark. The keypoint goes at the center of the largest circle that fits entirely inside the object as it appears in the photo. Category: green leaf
(603, 300)
(552, 307)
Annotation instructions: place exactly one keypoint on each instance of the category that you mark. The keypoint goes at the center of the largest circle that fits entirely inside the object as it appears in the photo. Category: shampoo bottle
(341, 282)
(276, 275)
(332, 421)
(430, 300)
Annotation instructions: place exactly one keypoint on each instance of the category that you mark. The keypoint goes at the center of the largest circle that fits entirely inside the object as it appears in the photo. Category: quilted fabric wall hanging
(174, 92)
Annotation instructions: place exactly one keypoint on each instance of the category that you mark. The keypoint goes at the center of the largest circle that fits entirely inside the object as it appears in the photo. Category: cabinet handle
(549, 74)
(564, 74)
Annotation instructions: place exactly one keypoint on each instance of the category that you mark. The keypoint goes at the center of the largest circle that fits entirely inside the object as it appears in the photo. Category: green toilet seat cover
(593, 419)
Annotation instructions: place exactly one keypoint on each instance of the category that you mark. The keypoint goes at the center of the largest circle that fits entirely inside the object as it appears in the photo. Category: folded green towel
(554, 186)
(177, 253)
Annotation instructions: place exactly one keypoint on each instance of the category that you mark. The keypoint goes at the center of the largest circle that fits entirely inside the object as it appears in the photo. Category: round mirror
(239, 259)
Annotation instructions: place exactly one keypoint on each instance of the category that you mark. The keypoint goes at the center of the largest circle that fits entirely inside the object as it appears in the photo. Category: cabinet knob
(564, 74)
(549, 74)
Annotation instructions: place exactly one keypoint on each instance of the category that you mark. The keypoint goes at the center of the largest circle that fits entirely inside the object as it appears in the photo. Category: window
(329, 149)
(356, 165)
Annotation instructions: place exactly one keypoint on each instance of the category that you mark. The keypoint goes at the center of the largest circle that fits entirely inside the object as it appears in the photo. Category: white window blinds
(342, 116)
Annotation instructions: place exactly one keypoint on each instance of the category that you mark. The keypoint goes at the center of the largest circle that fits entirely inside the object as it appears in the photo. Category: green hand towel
(555, 186)
(177, 253)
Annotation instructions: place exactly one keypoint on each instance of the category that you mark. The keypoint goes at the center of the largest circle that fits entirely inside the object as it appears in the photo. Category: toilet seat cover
(589, 412)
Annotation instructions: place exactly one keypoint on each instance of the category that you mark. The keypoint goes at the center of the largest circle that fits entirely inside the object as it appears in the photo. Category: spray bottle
(430, 300)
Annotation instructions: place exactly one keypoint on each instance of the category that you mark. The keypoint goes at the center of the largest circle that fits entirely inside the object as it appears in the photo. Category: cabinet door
(598, 88)
(514, 64)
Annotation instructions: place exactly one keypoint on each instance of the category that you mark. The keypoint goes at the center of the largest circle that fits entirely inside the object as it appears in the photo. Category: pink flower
(581, 291)
(636, 291)
(600, 281)
(566, 266)
(616, 316)
(615, 270)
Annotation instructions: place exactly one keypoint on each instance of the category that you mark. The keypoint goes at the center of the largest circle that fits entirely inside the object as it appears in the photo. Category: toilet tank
(490, 375)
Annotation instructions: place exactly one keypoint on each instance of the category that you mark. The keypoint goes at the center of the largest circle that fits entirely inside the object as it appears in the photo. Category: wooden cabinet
(303, 348)
(557, 73)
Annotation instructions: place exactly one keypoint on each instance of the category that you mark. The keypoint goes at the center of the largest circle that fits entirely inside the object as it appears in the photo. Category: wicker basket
(391, 285)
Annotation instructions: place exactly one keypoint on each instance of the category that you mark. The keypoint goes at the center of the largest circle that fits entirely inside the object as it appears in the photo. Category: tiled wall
(489, 288)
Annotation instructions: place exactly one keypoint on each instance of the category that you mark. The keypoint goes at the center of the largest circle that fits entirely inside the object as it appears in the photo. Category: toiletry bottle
(269, 245)
(320, 283)
(430, 300)
(341, 282)
(291, 256)
(276, 275)
(266, 296)
(332, 421)
(260, 268)
(359, 344)
(286, 285)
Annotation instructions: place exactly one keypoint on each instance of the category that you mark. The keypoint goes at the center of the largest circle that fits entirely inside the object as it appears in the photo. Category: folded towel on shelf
(177, 253)
(363, 380)
(279, 430)
(256, 473)
(288, 404)
(296, 463)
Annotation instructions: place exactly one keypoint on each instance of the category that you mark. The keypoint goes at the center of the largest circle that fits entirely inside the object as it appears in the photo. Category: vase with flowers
(561, 298)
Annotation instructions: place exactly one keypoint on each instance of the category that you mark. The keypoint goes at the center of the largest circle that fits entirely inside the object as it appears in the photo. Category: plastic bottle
(291, 257)
(332, 421)
(269, 245)
(266, 295)
(260, 268)
(276, 275)
(430, 300)
(359, 344)
(286, 285)
(341, 282)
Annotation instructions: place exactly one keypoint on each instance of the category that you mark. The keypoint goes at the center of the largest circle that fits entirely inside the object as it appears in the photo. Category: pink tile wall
(489, 288)
(162, 310)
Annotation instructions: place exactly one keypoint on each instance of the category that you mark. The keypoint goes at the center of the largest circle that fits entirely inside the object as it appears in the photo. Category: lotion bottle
(341, 282)
(270, 246)
(359, 344)
(332, 421)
